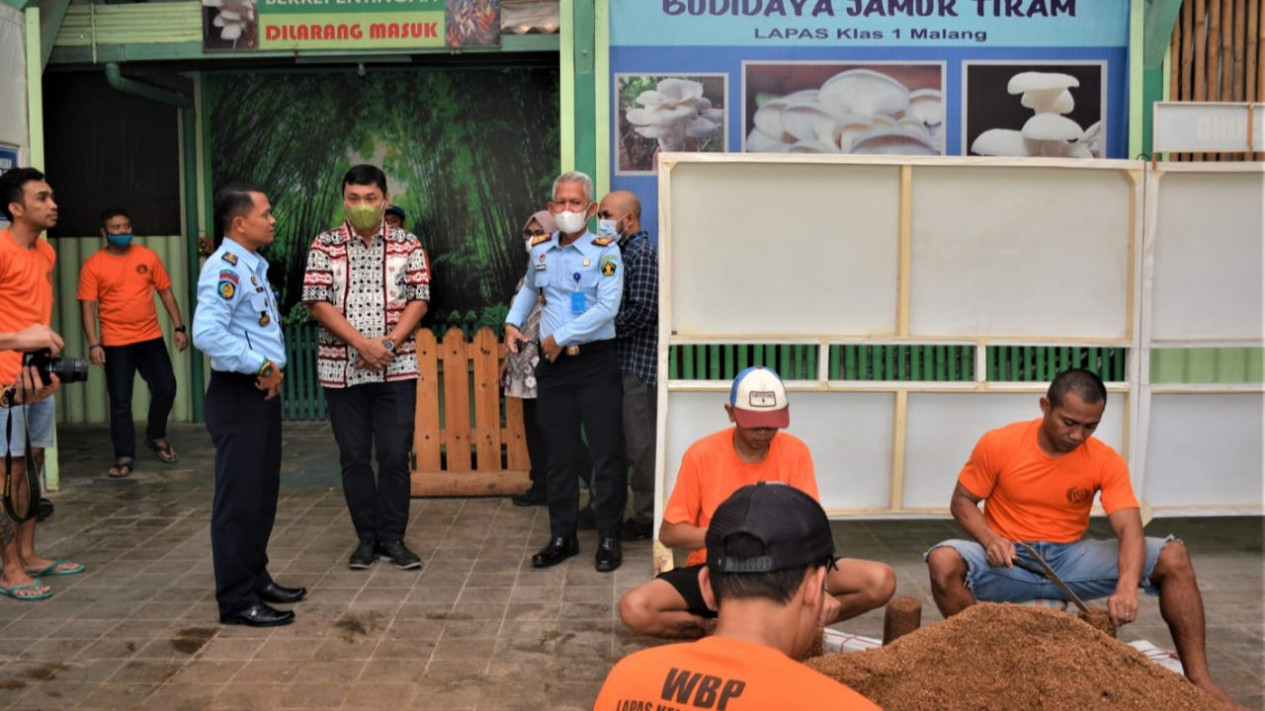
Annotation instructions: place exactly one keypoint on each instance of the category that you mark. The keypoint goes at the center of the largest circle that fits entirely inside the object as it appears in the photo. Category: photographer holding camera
(27, 411)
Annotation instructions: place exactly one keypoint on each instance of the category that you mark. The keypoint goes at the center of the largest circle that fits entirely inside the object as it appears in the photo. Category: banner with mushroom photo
(864, 77)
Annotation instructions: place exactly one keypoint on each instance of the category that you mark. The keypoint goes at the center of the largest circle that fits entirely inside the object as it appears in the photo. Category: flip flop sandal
(121, 468)
(55, 568)
(163, 449)
(15, 592)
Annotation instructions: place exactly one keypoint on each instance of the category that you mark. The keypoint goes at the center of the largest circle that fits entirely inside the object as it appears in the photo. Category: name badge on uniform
(577, 296)
(540, 267)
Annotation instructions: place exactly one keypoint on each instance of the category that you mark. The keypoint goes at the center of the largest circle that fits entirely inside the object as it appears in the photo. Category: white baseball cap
(759, 399)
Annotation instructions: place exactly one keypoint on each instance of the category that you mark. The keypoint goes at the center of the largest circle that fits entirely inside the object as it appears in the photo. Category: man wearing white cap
(712, 469)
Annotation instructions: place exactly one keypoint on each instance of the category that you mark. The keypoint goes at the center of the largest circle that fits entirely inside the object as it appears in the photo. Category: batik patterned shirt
(370, 285)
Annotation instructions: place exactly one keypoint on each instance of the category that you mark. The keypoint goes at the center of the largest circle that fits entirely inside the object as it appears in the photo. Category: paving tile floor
(477, 628)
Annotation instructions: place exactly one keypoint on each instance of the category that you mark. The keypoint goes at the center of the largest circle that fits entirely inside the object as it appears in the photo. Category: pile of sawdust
(1007, 657)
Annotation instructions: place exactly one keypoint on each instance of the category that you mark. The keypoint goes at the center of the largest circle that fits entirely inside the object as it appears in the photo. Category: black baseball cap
(397, 211)
(791, 525)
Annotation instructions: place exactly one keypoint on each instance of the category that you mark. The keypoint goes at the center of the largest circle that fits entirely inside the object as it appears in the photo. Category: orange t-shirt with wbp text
(711, 472)
(1031, 496)
(123, 287)
(26, 293)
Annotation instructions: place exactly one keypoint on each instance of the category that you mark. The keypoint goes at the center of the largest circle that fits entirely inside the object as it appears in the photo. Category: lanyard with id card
(577, 296)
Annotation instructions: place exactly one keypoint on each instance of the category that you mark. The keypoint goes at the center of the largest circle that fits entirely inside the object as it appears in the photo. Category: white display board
(1205, 449)
(1208, 255)
(944, 427)
(781, 248)
(1021, 252)
(1028, 255)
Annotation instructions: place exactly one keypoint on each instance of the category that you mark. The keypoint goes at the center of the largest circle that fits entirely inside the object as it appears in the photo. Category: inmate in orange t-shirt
(123, 286)
(26, 293)
(1031, 496)
(711, 471)
(722, 673)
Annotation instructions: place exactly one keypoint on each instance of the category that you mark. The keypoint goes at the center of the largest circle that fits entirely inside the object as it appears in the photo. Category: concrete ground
(477, 628)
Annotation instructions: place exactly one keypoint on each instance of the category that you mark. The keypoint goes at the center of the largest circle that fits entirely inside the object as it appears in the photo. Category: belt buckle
(573, 350)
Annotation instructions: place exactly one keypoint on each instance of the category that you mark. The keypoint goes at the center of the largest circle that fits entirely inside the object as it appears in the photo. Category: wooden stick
(1240, 35)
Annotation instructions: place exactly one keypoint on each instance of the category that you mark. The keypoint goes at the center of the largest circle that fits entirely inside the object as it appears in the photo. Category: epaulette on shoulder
(229, 257)
(603, 241)
(540, 239)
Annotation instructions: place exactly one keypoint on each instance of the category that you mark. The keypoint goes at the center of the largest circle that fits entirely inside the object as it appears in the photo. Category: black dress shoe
(558, 550)
(609, 555)
(258, 616)
(281, 595)
(365, 555)
(633, 530)
(533, 497)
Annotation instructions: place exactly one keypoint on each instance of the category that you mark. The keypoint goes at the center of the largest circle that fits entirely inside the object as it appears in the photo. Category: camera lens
(69, 370)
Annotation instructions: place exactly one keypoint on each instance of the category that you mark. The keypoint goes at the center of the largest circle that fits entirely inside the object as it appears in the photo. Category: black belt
(232, 375)
(589, 348)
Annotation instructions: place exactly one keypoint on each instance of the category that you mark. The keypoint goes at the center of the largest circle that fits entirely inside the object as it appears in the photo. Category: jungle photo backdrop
(469, 154)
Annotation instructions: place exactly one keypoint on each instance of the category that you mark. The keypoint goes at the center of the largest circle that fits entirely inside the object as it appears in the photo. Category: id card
(577, 302)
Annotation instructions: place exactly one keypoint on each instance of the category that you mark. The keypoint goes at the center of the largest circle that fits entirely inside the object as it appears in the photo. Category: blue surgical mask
(608, 228)
(120, 240)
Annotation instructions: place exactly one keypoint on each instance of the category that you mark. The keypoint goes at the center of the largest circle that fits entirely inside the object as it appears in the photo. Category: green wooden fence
(894, 362)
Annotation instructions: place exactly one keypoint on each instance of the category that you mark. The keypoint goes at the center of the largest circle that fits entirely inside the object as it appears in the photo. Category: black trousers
(583, 390)
(246, 432)
(539, 453)
(122, 363)
(368, 418)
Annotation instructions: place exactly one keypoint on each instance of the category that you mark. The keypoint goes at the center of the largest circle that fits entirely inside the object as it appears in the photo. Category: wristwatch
(266, 369)
(180, 329)
(389, 345)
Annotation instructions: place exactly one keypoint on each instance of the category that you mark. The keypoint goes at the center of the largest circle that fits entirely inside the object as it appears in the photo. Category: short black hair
(1084, 383)
(112, 212)
(778, 586)
(12, 185)
(365, 174)
(233, 200)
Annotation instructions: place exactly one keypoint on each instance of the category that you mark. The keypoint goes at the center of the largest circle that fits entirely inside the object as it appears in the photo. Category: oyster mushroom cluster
(233, 18)
(674, 113)
(856, 111)
(1048, 132)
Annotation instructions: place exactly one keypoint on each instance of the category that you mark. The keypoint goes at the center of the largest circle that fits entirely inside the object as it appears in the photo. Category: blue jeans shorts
(1089, 568)
(38, 417)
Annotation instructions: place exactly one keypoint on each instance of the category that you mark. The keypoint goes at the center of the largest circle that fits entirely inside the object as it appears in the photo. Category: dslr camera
(68, 370)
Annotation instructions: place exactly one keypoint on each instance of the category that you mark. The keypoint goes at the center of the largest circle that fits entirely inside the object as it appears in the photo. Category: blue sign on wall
(923, 77)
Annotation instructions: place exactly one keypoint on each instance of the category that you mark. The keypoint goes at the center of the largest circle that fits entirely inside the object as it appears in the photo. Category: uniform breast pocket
(258, 302)
(540, 280)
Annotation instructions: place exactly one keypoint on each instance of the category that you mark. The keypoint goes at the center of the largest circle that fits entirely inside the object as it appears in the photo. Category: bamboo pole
(1238, 80)
(1186, 58)
(1259, 54)
(1253, 46)
(1198, 86)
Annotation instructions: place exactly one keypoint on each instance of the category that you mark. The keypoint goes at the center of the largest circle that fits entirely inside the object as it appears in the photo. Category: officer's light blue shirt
(552, 270)
(237, 321)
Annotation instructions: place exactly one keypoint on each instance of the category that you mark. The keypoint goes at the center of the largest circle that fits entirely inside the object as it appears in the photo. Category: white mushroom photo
(674, 113)
(233, 25)
(1049, 130)
(854, 110)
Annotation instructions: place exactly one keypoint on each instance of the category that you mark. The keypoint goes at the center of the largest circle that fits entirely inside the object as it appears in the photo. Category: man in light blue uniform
(237, 324)
(578, 377)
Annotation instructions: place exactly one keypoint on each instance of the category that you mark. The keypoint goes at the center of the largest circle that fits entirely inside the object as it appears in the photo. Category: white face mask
(608, 228)
(527, 245)
(570, 222)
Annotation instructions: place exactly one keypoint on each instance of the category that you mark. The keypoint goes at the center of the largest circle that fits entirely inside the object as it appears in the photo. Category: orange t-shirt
(711, 471)
(123, 287)
(1031, 496)
(26, 293)
(721, 673)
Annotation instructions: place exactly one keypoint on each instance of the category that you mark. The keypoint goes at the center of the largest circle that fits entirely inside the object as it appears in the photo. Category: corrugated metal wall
(87, 402)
